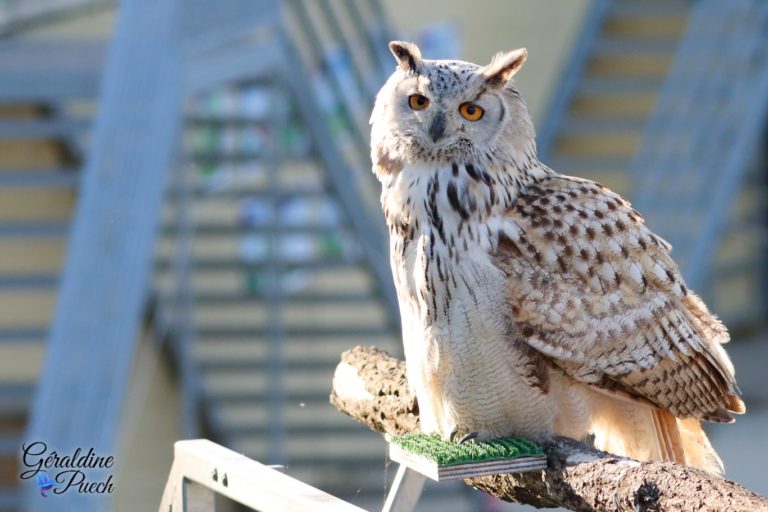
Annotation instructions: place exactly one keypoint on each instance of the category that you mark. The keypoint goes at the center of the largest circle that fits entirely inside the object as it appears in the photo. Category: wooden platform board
(437, 472)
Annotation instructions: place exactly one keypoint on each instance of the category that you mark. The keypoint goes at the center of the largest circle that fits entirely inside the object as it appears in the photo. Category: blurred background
(190, 233)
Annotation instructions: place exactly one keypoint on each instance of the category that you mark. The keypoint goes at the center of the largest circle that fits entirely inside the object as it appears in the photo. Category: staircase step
(344, 279)
(618, 86)
(227, 191)
(9, 443)
(220, 264)
(31, 154)
(630, 65)
(206, 298)
(629, 46)
(261, 398)
(614, 106)
(606, 171)
(584, 125)
(352, 462)
(641, 19)
(23, 334)
(34, 281)
(48, 178)
(597, 145)
(229, 228)
(579, 166)
(21, 111)
(343, 429)
(339, 331)
(222, 157)
(226, 120)
(652, 8)
(26, 308)
(20, 362)
(31, 256)
(263, 365)
(321, 449)
(311, 413)
(311, 384)
(10, 499)
(648, 27)
(366, 313)
(41, 128)
(15, 399)
(295, 352)
(28, 66)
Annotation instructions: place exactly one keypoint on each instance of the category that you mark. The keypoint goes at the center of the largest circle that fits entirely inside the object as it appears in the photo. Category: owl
(533, 303)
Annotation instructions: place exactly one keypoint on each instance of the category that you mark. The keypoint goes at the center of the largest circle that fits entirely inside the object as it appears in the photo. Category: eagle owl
(533, 303)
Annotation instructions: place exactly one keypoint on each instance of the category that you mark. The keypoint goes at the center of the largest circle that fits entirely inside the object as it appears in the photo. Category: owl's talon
(467, 437)
(453, 434)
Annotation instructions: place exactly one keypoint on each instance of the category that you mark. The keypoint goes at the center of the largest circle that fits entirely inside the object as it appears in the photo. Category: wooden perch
(371, 386)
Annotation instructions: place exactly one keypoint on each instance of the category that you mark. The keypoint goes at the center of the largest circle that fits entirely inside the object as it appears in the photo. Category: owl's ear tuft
(408, 55)
(504, 66)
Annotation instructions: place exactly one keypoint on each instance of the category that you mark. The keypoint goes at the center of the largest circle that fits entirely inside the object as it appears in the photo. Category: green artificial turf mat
(449, 453)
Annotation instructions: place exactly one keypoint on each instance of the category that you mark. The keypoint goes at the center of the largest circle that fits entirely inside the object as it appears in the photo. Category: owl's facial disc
(436, 121)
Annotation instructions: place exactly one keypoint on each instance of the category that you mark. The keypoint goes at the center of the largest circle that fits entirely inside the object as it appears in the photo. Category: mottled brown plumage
(533, 303)
(597, 292)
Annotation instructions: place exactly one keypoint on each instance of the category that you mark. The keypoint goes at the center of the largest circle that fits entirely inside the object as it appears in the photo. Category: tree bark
(371, 386)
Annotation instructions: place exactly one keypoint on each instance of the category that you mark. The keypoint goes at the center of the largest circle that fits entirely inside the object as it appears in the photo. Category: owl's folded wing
(595, 291)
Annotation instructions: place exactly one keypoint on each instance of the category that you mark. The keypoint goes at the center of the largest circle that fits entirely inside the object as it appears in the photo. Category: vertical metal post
(94, 332)
(372, 232)
(275, 299)
(570, 75)
(184, 314)
(406, 490)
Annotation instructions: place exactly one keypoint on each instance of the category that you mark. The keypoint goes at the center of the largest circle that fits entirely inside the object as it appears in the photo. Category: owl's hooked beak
(437, 128)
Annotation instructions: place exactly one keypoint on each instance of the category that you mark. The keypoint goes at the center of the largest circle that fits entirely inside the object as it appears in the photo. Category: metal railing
(135, 145)
(705, 130)
(201, 469)
(17, 15)
(570, 76)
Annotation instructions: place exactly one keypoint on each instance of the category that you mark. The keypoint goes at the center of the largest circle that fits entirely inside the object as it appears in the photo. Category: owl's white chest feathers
(444, 223)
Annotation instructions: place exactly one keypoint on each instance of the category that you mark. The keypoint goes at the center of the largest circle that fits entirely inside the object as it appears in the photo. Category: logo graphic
(44, 482)
(82, 471)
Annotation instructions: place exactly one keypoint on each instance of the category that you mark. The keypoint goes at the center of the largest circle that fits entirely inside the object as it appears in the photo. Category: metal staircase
(691, 174)
(40, 141)
(287, 270)
(608, 88)
(270, 257)
(280, 287)
(263, 280)
(634, 109)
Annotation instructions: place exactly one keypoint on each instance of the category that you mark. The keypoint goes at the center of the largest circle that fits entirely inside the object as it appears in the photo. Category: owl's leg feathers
(668, 437)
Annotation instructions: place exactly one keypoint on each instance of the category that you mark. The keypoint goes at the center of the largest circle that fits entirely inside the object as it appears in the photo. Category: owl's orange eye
(418, 102)
(471, 112)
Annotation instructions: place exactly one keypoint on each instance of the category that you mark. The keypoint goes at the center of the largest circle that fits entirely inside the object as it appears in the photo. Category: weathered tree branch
(371, 386)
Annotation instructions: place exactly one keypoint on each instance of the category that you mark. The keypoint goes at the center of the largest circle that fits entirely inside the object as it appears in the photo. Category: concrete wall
(149, 426)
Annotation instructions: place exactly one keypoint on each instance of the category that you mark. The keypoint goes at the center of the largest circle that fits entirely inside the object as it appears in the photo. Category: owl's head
(447, 111)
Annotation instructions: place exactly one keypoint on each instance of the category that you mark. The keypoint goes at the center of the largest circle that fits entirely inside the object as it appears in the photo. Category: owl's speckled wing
(594, 290)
